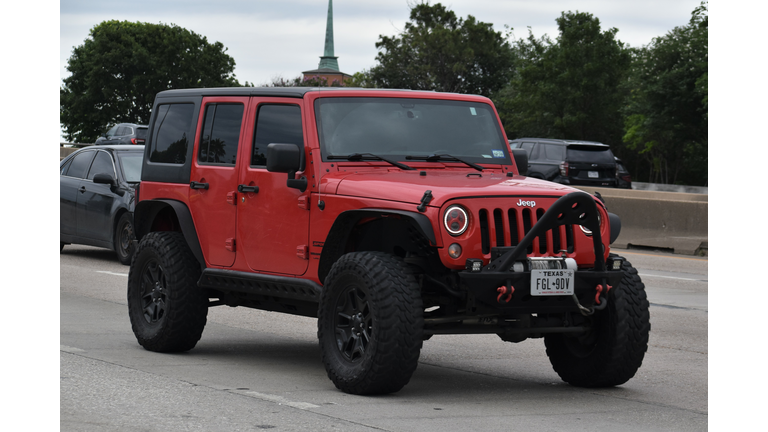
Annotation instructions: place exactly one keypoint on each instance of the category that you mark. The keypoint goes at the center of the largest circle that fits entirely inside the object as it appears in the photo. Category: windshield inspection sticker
(498, 153)
(487, 156)
(472, 110)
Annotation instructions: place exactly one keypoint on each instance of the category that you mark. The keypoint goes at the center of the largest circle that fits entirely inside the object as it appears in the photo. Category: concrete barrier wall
(659, 220)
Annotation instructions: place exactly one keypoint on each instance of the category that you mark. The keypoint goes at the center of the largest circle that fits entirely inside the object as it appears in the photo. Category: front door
(213, 186)
(273, 219)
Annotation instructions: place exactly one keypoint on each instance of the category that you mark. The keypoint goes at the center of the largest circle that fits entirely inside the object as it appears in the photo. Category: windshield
(131, 164)
(400, 127)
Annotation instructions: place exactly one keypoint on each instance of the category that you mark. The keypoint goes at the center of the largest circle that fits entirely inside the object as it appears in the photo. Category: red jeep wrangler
(389, 215)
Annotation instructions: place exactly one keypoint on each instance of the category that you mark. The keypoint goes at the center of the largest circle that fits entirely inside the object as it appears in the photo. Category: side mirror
(521, 160)
(104, 178)
(286, 158)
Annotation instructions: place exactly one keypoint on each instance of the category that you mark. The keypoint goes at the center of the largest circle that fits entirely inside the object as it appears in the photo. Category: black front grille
(499, 228)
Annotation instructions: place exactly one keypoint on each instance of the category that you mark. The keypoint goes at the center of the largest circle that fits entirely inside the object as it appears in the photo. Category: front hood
(409, 186)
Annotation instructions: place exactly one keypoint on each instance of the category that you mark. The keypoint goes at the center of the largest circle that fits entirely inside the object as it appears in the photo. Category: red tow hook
(600, 290)
(507, 291)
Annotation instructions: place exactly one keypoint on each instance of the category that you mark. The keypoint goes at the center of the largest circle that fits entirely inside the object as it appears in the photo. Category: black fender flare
(337, 238)
(146, 211)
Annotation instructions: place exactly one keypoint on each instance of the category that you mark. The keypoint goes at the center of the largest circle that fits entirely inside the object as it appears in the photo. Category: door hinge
(232, 198)
(304, 202)
(302, 251)
(229, 244)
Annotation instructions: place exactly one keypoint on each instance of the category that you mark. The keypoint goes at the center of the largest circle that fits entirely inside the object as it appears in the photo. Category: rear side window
(102, 165)
(141, 133)
(80, 164)
(170, 141)
(276, 124)
(221, 134)
(552, 152)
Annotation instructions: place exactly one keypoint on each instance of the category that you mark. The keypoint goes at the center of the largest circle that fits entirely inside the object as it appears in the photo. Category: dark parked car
(98, 196)
(622, 175)
(124, 133)
(578, 163)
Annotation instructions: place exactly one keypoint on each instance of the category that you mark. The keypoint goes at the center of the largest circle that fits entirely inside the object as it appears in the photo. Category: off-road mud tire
(168, 311)
(124, 239)
(382, 358)
(613, 351)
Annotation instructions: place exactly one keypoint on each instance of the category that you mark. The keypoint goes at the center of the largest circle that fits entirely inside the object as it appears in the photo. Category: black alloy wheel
(154, 294)
(124, 237)
(353, 323)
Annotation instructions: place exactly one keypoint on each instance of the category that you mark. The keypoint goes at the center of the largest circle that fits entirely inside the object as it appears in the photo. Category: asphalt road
(255, 370)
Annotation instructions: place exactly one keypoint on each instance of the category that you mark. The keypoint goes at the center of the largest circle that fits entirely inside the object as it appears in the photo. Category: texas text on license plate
(551, 282)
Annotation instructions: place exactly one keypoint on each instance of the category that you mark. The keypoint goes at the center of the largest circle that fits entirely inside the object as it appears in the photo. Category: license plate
(592, 174)
(551, 282)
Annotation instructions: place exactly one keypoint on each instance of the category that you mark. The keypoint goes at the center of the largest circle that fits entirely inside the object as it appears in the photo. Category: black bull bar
(591, 286)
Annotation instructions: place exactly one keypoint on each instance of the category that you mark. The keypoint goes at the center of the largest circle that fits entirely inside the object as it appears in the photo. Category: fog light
(474, 264)
(454, 250)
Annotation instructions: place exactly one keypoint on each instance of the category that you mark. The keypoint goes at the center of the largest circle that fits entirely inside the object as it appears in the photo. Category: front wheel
(613, 350)
(124, 239)
(168, 311)
(370, 323)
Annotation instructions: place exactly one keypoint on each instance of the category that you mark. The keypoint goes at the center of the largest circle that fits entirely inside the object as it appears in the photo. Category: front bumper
(486, 285)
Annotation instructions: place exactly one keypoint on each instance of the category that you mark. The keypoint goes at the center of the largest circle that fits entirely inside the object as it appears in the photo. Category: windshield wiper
(444, 157)
(370, 156)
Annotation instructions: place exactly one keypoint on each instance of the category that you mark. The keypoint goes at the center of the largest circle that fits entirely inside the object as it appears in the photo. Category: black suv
(124, 133)
(580, 163)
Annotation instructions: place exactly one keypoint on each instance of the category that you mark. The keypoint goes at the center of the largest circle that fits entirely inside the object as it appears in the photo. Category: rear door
(214, 175)
(70, 179)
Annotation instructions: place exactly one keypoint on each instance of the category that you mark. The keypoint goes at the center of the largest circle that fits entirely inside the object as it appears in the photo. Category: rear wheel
(124, 239)
(370, 323)
(168, 311)
(612, 352)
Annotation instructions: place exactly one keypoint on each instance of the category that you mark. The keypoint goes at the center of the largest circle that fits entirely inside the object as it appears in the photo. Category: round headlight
(589, 232)
(456, 220)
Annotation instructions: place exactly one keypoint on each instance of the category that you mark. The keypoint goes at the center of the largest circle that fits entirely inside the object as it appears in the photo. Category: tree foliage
(439, 51)
(570, 88)
(666, 117)
(121, 66)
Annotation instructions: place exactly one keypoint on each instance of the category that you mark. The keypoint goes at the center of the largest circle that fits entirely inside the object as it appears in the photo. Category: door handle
(198, 185)
(244, 188)
(82, 189)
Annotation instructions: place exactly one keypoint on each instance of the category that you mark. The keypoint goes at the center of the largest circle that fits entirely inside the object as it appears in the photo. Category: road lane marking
(70, 349)
(281, 400)
(112, 273)
(674, 277)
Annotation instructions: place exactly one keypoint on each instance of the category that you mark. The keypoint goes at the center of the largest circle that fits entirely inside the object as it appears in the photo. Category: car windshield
(400, 127)
(131, 164)
(593, 154)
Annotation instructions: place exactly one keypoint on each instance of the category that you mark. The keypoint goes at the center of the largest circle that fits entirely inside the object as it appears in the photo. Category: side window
(102, 164)
(121, 131)
(170, 141)
(276, 124)
(553, 152)
(221, 134)
(534, 153)
(527, 147)
(112, 132)
(80, 164)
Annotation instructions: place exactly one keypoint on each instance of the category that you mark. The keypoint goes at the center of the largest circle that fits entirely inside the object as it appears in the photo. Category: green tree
(666, 117)
(117, 71)
(570, 88)
(439, 51)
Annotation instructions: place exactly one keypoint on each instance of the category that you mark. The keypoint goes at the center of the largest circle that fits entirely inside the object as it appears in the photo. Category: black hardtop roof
(563, 142)
(296, 92)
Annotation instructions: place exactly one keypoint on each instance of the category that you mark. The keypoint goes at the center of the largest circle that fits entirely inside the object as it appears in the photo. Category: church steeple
(328, 60)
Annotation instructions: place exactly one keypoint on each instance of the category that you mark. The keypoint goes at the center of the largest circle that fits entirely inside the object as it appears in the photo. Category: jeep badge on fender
(387, 215)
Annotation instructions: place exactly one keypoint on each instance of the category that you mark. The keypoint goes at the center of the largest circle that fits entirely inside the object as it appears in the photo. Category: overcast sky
(285, 37)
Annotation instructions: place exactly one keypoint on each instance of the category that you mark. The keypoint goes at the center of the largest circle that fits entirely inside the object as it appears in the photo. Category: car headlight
(588, 232)
(456, 220)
